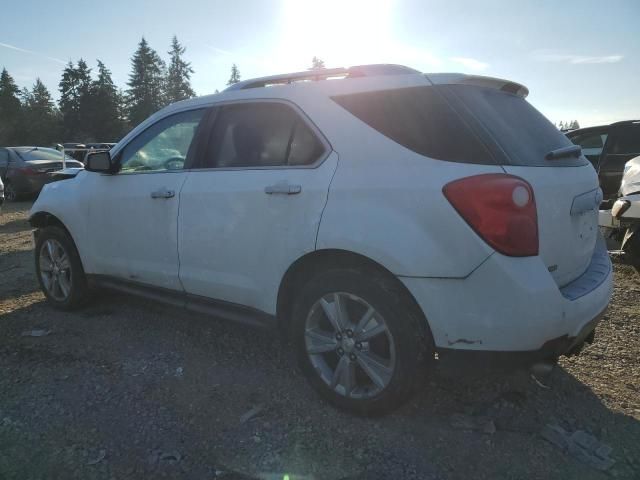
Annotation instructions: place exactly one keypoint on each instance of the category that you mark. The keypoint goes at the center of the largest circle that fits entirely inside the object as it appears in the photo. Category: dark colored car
(608, 148)
(25, 170)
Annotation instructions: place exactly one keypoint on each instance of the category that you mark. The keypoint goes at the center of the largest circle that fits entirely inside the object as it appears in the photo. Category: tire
(65, 270)
(400, 352)
(10, 193)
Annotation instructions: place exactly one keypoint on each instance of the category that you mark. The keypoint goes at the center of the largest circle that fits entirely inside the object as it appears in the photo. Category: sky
(580, 59)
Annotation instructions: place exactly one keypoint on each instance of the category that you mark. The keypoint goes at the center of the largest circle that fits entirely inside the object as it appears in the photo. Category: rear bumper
(550, 350)
(30, 185)
(513, 305)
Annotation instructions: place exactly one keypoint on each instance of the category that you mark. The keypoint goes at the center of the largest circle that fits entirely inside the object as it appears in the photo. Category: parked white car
(378, 218)
(622, 221)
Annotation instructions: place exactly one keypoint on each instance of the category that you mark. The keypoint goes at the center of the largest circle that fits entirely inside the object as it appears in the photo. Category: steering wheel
(174, 163)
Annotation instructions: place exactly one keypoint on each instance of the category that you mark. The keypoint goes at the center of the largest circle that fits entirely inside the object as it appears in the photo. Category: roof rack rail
(323, 74)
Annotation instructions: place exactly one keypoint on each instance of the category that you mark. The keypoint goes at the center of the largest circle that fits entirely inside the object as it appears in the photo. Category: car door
(133, 214)
(622, 145)
(253, 204)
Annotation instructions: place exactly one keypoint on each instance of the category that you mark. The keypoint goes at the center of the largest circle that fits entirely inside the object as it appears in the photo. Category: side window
(592, 144)
(262, 134)
(305, 147)
(626, 140)
(163, 146)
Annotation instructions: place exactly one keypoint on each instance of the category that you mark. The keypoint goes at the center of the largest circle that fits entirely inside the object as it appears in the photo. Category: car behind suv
(25, 170)
(376, 214)
(608, 148)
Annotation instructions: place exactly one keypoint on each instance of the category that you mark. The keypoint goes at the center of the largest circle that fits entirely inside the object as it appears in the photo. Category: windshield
(37, 153)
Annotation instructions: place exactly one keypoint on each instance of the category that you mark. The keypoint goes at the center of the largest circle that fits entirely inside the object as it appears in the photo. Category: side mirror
(100, 162)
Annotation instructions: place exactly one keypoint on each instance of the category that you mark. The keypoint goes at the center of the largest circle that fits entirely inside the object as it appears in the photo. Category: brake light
(29, 171)
(500, 208)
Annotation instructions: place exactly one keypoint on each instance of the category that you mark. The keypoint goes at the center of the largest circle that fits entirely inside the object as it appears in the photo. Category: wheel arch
(43, 219)
(318, 261)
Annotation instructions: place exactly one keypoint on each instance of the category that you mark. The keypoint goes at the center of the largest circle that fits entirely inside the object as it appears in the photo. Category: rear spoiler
(478, 81)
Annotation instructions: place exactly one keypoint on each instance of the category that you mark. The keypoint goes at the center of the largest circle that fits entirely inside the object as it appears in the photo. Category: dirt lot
(128, 389)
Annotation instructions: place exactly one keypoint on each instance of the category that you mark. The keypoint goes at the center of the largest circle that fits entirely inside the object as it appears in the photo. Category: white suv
(377, 214)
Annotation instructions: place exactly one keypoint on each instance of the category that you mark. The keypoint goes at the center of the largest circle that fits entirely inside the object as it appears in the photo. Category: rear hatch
(520, 138)
(44, 160)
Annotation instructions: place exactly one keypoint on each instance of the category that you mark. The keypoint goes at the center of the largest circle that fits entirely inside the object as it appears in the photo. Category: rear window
(32, 153)
(420, 119)
(523, 133)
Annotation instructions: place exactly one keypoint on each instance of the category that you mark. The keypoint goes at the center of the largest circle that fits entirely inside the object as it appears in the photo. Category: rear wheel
(59, 269)
(360, 341)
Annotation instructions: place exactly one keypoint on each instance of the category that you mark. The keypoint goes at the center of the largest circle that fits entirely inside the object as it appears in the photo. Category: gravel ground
(128, 389)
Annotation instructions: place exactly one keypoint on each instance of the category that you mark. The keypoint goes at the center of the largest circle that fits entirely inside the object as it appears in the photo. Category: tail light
(29, 171)
(500, 208)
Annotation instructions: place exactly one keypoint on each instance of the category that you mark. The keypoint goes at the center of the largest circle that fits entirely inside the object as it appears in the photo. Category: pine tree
(41, 116)
(146, 83)
(316, 63)
(102, 104)
(75, 88)
(83, 74)
(122, 112)
(178, 85)
(235, 75)
(10, 110)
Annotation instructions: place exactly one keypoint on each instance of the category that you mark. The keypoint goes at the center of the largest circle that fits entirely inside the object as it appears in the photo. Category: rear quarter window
(420, 119)
(522, 132)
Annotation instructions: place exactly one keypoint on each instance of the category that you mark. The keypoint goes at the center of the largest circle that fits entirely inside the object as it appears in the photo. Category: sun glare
(341, 32)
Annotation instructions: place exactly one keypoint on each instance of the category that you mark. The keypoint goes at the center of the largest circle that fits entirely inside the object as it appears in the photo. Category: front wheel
(59, 269)
(360, 341)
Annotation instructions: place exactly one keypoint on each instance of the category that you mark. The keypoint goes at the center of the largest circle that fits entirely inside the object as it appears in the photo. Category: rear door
(566, 189)
(253, 204)
(622, 145)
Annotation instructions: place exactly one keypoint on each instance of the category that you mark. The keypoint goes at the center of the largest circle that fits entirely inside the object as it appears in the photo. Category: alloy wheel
(55, 270)
(349, 345)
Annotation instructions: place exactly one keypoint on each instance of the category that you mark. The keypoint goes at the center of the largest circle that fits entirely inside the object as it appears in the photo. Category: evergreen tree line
(91, 108)
(571, 125)
(94, 109)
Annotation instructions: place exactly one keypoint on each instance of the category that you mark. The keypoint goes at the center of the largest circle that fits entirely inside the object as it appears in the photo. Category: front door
(133, 214)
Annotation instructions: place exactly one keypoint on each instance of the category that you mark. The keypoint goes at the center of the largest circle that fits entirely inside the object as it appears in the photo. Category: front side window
(592, 144)
(261, 134)
(163, 146)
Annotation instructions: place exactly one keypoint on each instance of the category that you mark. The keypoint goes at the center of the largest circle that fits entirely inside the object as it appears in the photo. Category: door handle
(283, 189)
(163, 193)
